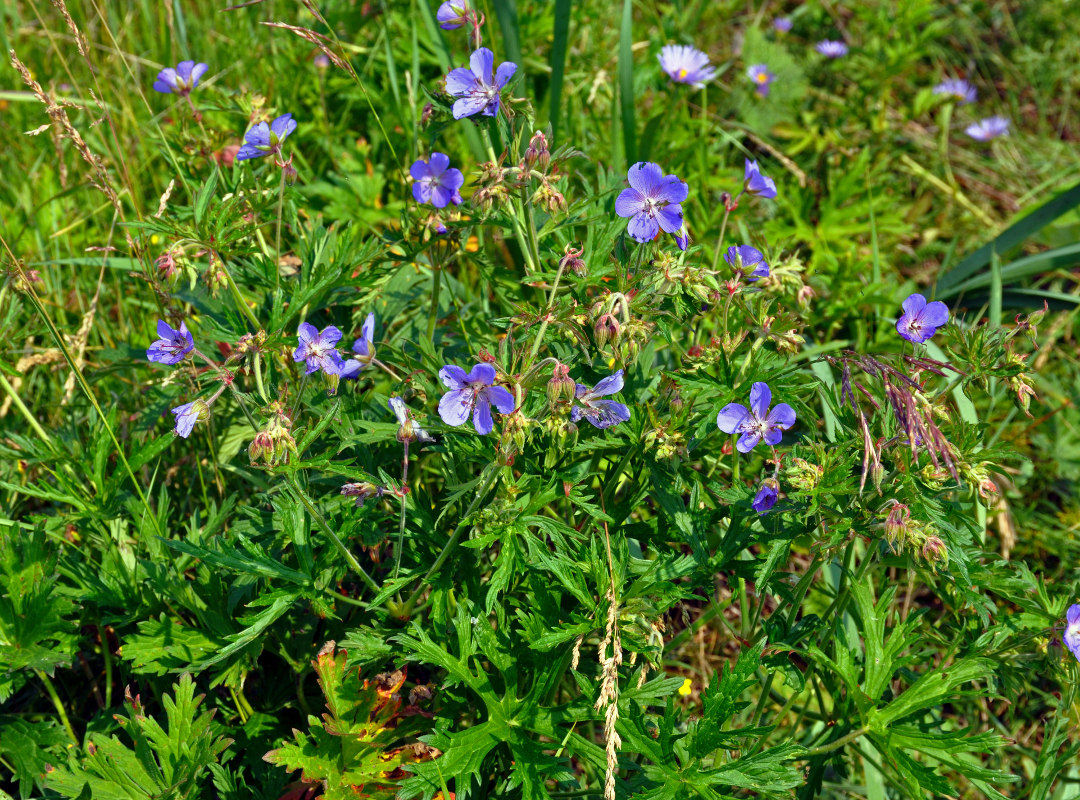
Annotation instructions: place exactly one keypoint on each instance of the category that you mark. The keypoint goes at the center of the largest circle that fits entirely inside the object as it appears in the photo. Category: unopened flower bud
(606, 330)
(561, 387)
(168, 266)
(934, 477)
(572, 260)
(289, 171)
(537, 155)
(934, 550)
(896, 522)
(261, 448)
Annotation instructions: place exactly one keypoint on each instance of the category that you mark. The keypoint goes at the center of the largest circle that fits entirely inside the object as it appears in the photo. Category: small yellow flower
(154, 239)
(686, 688)
(611, 363)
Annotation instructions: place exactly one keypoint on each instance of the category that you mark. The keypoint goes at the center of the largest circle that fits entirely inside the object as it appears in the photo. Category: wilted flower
(561, 387)
(606, 329)
(986, 129)
(920, 319)
(472, 393)
(1071, 637)
(831, 48)
(651, 202)
(757, 184)
(748, 260)
(538, 154)
(782, 24)
(572, 260)
(452, 14)
(361, 491)
(408, 431)
(318, 349)
(760, 75)
(757, 422)
(188, 414)
(601, 413)
(766, 496)
(436, 181)
(173, 346)
(958, 89)
(478, 88)
(934, 549)
(261, 447)
(180, 80)
(685, 64)
(263, 140)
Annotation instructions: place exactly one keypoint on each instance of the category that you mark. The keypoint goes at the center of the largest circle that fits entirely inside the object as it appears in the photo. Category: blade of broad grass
(626, 82)
(1010, 237)
(1066, 256)
(995, 290)
(506, 12)
(558, 62)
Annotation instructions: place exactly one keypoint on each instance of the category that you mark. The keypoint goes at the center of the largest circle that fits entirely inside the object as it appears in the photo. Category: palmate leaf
(166, 762)
(361, 743)
(721, 702)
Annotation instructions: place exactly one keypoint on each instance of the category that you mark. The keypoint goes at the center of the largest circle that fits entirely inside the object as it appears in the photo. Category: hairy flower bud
(934, 550)
(897, 522)
(572, 260)
(606, 331)
(561, 387)
(537, 155)
(261, 449)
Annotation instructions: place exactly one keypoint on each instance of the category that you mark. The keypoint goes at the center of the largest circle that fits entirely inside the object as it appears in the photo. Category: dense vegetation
(540, 400)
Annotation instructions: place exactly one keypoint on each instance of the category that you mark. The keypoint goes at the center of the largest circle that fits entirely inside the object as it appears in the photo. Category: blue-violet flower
(1071, 637)
(477, 88)
(986, 129)
(748, 260)
(760, 75)
(757, 422)
(651, 202)
(958, 89)
(436, 181)
(766, 496)
(782, 24)
(452, 14)
(188, 414)
(601, 413)
(318, 349)
(831, 48)
(920, 319)
(408, 431)
(173, 346)
(263, 140)
(685, 64)
(472, 393)
(180, 80)
(757, 184)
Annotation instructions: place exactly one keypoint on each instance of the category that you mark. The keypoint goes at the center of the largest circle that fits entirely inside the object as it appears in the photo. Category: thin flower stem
(241, 304)
(386, 369)
(515, 219)
(448, 548)
(277, 237)
(720, 239)
(404, 494)
(258, 377)
(547, 313)
(18, 403)
(57, 704)
(835, 745)
(299, 395)
(433, 311)
(350, 559)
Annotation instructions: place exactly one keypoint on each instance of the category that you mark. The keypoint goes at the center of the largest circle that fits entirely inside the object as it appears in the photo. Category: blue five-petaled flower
(757, 184)
(600, 412)
(472, 393)
(920, 319)
(757, 422)
(436, 181)
(766, 496)
(264, 140)
(173, 346)
(652, 202)
(1071, 637)
(187, 415)
(180, 80)
(477, 88)
(748, 260)
(317, 349)
(452, 14)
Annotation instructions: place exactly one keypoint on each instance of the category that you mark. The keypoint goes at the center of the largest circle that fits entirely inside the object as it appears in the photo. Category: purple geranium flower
(436, 181)
(317, 349)
(601, 413)
(188, 414)
(747, 259)
(757, 422)
(757, 184)
(766, 496)
(831, 48)
(263, 139)
(180, 80)
(651, 202)
(408, 430)
(682, 240)
(452, 14)
(1071, 637)
(364, 347)
(472, 393)
(685, 64)
(958, 89)
(760, 75)
(173, 346)
(920, 319)
(782, 24)
(477, 89)
(986, 129)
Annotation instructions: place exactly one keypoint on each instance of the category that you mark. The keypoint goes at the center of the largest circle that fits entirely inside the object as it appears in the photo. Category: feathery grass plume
(609, 691)
(575, 655)
(316, 39)
(99, 175)
(80, 39)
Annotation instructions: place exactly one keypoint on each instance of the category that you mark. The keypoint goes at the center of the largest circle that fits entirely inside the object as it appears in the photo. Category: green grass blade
(506, 12)
(558, 62)
(626, 82)
(1010, 237)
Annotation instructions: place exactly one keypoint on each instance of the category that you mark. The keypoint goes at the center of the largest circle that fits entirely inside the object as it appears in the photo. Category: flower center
(682, 74)
(762, 77)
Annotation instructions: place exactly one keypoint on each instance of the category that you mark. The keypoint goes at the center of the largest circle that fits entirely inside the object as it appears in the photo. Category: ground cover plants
(539, 400)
